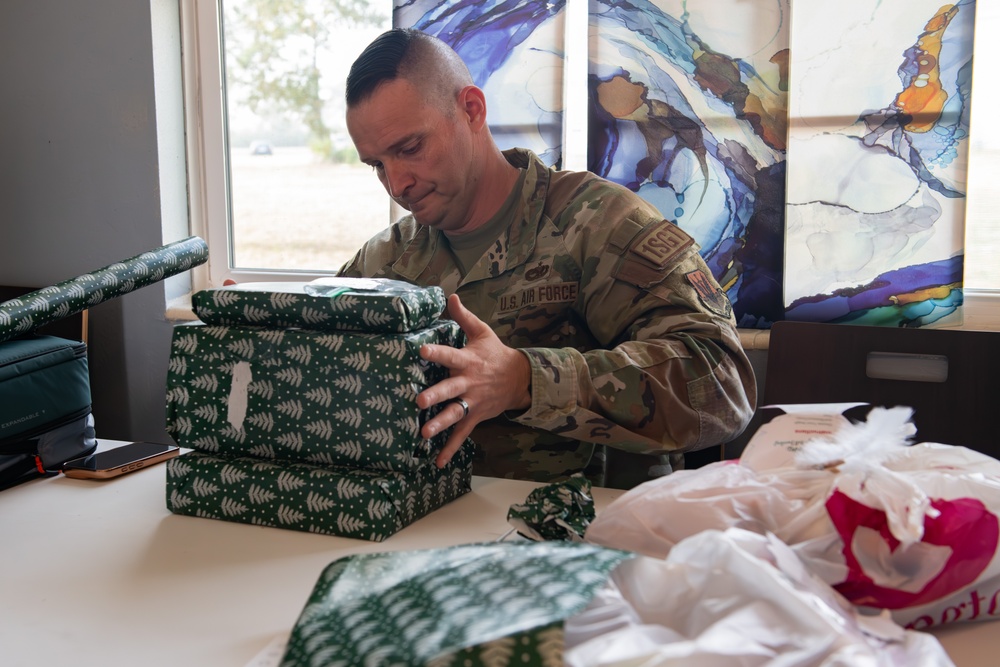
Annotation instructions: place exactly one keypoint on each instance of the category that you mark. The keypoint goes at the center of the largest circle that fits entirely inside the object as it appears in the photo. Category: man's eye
(410, 150)
(376, 166)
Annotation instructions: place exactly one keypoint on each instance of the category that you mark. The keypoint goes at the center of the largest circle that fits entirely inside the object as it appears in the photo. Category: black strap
(19, 468)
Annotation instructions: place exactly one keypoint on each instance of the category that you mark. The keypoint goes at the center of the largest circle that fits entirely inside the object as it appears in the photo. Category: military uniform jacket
(631, 342)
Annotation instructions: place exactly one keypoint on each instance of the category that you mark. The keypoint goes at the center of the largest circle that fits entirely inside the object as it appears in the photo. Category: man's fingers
(441, 354)
(454, 443)
(471, 325)
(451, 415)
(469, 366)
(444, 390)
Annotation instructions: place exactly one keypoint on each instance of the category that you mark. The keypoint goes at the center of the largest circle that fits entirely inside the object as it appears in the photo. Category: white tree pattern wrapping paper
(24, 314)
(370, 305)
(470, 606)
(362, 504)
(346, 399)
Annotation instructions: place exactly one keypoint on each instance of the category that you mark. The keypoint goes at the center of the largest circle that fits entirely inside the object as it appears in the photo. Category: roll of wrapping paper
(24, 314)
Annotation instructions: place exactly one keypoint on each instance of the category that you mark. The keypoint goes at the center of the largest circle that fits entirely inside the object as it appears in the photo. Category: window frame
(207, 157)
(209, 203)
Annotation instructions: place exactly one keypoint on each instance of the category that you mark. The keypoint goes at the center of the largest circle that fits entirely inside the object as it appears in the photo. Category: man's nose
(398, 180)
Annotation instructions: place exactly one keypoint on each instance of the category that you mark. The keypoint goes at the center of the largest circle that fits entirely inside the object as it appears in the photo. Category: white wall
(81, 178)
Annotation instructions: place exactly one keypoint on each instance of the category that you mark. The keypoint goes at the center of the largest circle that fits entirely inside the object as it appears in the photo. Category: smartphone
(119, 460)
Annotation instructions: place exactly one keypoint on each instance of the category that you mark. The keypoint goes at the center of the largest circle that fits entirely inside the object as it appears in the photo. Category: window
(280, 188)
(982, 212)
(269, 206)
(983, 208)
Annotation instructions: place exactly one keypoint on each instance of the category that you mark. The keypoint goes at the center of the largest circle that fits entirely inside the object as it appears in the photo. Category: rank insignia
(660, 243)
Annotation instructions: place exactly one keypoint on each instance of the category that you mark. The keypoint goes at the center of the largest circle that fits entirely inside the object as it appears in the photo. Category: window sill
(180, 310)
(981, 312)
(754, 339)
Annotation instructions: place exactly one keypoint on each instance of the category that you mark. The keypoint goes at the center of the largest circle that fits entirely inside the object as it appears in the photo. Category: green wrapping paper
(478, 605)
(557, 511)
(26, 313)
(337, 399)
(371, 305)
(348, 502)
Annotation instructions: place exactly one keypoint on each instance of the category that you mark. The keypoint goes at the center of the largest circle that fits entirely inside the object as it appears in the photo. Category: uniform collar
(515, 248)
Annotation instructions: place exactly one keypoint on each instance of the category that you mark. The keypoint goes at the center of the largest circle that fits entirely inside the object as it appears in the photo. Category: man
(590, 319)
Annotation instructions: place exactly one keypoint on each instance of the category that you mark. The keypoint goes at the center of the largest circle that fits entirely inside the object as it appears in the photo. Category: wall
(81, 177)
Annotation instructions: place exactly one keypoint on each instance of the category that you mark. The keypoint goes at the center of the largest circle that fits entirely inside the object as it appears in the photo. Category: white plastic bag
(912, 529)
(734, 598)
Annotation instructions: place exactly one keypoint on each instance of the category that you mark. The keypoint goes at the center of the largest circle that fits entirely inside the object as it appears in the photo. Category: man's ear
(472, 101)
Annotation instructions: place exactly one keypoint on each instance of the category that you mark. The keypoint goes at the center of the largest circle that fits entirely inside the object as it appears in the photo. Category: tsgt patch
(709, 293)
(658, 244)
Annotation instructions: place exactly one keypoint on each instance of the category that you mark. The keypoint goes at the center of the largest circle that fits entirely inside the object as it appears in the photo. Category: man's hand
(489, 376)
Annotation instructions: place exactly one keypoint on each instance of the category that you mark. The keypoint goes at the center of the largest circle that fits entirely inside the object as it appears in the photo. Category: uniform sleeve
(673, 375)
(375, 257)
(352, 269)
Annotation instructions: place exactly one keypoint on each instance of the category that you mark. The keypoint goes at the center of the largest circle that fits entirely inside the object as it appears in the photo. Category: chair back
(950, 377)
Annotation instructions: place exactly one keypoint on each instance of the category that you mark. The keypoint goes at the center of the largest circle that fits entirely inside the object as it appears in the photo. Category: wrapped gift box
(478, 605)
(348, 502)
(336, 399)
(371, 305)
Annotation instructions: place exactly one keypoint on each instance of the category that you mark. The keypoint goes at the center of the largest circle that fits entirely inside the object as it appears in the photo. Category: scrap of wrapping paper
(24, 314)
(557, 511)
(463, 606)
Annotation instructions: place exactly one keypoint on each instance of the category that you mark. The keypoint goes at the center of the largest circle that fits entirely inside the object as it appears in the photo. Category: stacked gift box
(299, 403)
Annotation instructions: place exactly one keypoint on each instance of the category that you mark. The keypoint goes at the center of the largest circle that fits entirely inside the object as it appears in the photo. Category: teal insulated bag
(45, 409)
(45, 406)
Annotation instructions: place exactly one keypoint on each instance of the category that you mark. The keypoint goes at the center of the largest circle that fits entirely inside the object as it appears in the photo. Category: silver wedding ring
(465, 407)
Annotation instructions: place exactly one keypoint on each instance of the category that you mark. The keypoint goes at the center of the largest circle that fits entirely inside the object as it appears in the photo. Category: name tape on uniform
(539, 295)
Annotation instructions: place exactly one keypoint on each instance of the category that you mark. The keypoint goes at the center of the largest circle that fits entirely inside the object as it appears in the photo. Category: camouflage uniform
(631, 342)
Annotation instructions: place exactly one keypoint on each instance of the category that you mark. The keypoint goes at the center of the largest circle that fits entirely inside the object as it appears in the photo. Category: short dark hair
(379, 62)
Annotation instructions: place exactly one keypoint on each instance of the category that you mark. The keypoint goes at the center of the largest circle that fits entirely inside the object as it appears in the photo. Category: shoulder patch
(651, 253)
(709, 293)
(660, 243)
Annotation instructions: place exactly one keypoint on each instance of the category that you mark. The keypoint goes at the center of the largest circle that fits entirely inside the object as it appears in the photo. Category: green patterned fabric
(327, 304)
(468, 606)
(347, 502)
(558, 511)
(541, 647)
(345, 399)
(26, 313)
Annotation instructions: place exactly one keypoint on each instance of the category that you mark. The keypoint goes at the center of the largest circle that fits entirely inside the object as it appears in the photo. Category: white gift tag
(775, 443)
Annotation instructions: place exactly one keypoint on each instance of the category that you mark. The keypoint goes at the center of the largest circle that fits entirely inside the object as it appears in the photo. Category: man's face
(423, 157)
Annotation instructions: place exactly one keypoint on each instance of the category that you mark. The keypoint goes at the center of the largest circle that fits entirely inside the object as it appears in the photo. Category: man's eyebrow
(395, 146)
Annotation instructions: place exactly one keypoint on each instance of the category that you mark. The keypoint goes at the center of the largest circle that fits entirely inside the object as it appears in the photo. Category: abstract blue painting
(816, 151)
(514, 51)
(689, 109)
(877, 161)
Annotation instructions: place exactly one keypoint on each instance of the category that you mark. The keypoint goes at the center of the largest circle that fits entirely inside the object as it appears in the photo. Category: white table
(100, 573)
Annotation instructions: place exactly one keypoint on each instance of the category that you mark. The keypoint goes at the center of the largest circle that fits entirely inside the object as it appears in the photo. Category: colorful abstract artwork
(514, 51)
(877, 161)
(689, 109)
(815, 151)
